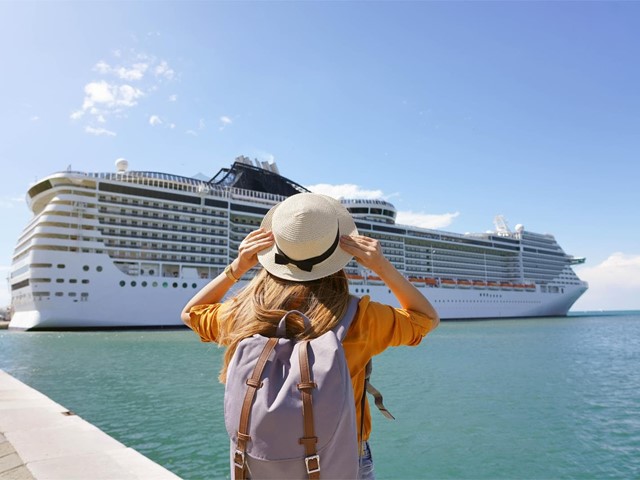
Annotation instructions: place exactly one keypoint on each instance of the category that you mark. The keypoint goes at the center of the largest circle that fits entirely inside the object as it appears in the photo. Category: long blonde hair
(259, 307)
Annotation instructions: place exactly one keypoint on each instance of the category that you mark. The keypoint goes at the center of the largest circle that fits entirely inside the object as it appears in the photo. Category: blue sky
(453, 111)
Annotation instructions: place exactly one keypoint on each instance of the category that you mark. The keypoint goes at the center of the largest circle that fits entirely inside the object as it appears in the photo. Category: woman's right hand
(367, 251)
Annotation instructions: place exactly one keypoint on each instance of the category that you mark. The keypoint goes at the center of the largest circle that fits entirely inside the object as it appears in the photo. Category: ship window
(59, 280)
(59, 294)
(193, 285)
(73, 280)
(122, 283)
(165, 284)
(99, 268)
(154, 284)
(61, 265)
(72, 294)
(133, 283)
(144, 284)
(85, 281)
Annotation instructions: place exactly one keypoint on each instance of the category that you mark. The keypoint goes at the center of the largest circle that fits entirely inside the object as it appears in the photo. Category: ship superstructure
(129, 248)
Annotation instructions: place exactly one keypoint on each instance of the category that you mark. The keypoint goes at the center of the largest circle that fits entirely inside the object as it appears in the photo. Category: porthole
(193, 285)
(175, 285)
(133, 283)
(165, 284)
(184, 285)
(144, 284)
(85, 268)
(122, 283)
(154, 284)
(99, 268)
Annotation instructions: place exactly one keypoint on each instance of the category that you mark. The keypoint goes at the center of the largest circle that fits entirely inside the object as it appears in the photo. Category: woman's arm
(247, 258)
(368, 253)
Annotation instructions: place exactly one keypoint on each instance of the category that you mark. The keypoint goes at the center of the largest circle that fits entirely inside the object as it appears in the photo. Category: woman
(303, 245)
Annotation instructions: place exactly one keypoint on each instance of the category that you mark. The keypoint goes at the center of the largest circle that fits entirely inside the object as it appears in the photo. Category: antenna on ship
(502, 227)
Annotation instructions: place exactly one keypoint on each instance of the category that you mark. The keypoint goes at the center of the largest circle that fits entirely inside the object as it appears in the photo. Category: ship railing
(270, 198)
(180, 183)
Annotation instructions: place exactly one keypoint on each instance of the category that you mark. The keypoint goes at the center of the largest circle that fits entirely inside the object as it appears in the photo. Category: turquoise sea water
(497, 399)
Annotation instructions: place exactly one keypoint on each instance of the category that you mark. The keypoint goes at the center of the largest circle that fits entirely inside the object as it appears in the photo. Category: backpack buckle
(238, 458)
(313, 464)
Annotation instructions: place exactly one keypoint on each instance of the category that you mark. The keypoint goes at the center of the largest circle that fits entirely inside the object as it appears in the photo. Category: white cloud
(192, 133)
(133, 73)
(201, 124)
(425, 220)
(163, 70)
(99, 131)
(127, 95)
(35, 118)
(10, 202)
(346, 190)
(415, 219)
(224, 122)
(173, 98)
(128, 83)
(103, 99)
(102, 67)
(614, 284)
(154, 120)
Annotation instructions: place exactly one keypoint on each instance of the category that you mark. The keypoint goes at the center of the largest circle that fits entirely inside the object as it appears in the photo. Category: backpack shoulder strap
(345, 322)
(253, 384)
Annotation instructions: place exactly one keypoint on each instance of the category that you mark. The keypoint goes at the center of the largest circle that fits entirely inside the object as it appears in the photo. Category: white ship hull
(113, 306)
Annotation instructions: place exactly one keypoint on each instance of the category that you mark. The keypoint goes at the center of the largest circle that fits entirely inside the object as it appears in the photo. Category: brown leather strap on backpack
(253, 384)
(371, 390)
(312, 459)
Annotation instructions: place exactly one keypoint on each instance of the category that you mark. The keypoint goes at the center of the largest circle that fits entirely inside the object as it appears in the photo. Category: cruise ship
(129, 248)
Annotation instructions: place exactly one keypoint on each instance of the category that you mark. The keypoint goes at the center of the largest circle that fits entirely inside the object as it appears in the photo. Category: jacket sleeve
(384, 326)
(204, 321)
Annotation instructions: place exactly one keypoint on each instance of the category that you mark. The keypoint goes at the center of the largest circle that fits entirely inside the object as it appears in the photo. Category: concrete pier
(42, 440)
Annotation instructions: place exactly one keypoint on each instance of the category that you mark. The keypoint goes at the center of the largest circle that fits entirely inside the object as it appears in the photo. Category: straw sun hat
(306, 228)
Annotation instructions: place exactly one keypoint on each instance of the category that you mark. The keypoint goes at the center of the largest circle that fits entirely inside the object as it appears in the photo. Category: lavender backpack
(289, 407)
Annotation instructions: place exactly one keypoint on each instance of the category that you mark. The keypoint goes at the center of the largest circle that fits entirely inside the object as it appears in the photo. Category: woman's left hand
(253, 243)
